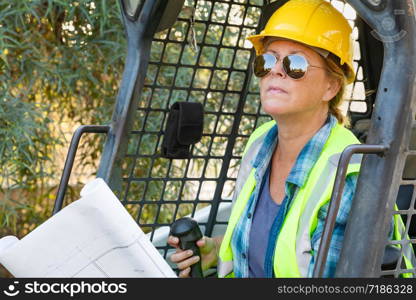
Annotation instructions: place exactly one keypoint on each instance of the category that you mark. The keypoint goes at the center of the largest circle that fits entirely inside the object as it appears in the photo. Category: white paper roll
(94, 236)
(7, 242)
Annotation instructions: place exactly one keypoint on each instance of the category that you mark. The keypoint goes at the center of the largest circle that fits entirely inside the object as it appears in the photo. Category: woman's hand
(208, 247)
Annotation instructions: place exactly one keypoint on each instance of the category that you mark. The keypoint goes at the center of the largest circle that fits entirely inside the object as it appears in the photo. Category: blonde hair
(339, 73)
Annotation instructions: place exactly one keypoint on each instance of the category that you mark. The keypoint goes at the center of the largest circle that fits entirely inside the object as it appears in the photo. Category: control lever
(188, 232)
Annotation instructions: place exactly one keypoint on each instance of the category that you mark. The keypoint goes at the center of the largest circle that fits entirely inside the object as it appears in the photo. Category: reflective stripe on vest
(309, 214)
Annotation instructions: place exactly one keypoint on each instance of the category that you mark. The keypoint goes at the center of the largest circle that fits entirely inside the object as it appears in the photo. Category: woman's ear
(333, 86)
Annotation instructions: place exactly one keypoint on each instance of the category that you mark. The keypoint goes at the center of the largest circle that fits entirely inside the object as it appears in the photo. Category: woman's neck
(295, 131)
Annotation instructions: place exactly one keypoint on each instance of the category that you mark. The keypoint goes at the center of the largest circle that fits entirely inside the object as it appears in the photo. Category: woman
(304, 61)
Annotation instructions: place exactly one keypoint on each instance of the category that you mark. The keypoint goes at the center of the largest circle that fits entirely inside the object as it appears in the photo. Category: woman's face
(281, 95)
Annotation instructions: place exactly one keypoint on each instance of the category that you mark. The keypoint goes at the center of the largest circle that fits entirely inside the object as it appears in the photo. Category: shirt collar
(310, 153)
(306, 158)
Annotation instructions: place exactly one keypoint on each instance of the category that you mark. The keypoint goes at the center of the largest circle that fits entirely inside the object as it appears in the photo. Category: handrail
(69, 162)
(336, 200)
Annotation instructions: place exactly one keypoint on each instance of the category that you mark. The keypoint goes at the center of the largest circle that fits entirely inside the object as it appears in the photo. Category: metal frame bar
(228, 155)
(139, 38)
(370, 72)
(336, 200)
(69, 161)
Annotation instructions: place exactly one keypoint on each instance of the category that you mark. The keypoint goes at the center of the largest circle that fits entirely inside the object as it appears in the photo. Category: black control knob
(188, 232)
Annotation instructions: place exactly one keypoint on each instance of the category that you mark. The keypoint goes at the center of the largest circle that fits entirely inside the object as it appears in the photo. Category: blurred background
(60, 67)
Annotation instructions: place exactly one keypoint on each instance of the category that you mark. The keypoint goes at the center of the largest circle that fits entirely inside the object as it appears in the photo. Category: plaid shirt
(296, 178)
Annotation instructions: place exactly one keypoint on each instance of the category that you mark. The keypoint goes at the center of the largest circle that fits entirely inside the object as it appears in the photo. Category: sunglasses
(294, 65)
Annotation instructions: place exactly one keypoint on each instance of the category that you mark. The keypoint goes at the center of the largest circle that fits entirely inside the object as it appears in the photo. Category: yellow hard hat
(315, 23)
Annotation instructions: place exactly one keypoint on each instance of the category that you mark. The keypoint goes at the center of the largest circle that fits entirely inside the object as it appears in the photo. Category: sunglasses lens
(263, 64)
(295, 66)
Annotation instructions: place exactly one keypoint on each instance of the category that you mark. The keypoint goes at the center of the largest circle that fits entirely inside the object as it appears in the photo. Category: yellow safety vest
(293, 246)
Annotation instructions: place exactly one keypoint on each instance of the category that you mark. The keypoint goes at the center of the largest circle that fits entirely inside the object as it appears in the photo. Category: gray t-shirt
(264, 214)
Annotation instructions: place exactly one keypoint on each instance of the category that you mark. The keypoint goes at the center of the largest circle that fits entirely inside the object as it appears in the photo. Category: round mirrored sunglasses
(294, 65)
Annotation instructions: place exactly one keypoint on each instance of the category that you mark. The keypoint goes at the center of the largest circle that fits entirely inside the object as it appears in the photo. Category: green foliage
(25, 145)
(60, 61)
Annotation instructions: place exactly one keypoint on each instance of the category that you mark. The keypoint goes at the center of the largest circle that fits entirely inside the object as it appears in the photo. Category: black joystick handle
(188, 232)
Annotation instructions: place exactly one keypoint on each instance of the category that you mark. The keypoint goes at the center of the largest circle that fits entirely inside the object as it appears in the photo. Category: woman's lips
(276, 90)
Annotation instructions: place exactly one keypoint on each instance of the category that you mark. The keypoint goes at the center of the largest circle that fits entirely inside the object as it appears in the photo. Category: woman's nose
(278, 69)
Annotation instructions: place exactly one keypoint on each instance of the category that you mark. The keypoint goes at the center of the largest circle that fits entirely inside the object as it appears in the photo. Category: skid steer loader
(195, 51)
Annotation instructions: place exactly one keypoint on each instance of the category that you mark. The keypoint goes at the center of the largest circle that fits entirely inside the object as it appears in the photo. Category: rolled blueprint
(94, 236)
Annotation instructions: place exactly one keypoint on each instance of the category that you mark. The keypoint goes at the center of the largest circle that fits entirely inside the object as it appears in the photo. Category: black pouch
(183, 128)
